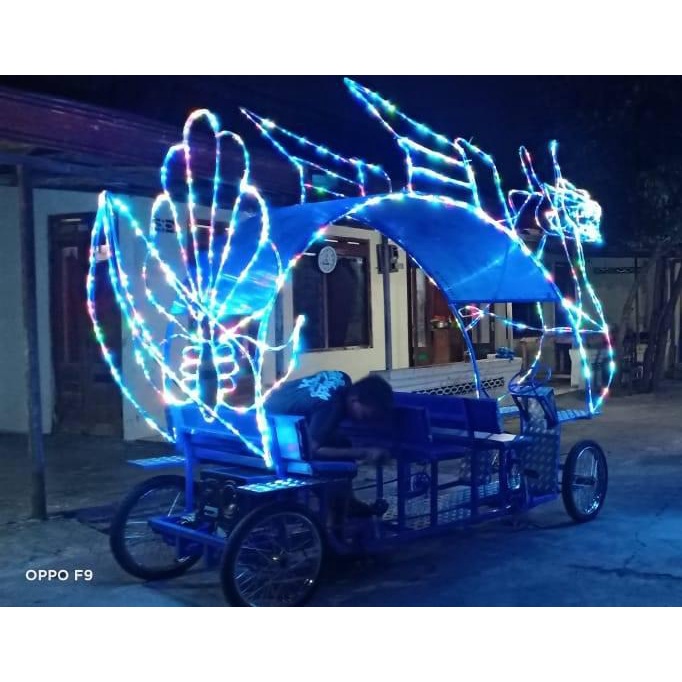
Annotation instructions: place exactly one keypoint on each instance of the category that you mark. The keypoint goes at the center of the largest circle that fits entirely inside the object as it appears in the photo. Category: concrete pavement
(630, 555)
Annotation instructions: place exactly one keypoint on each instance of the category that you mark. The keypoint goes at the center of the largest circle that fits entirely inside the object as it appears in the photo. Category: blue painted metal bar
(170, 528)
(433, 492)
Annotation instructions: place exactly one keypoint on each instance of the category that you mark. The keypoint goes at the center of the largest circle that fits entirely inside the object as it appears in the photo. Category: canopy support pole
(28, 290)
(279, 336)
(386, 281)
(480, 391)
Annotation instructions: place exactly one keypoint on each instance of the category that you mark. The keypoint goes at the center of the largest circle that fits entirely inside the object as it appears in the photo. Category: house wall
(134, 426)
(12, 360)
(13, 408)
(611, 287)
(359, 362)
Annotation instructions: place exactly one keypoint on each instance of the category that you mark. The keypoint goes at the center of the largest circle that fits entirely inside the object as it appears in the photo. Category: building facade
(343, 304)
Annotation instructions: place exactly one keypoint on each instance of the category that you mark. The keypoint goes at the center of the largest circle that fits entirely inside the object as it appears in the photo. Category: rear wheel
(273, 557)
(137, 547)
(584, 481)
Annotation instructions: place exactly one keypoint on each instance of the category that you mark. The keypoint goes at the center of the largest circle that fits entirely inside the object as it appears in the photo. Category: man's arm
(323, 424)
(369, 455)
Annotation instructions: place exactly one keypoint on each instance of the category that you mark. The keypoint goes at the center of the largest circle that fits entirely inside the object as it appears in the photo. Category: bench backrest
(483, 415)
(413, 416)
(213, 441)
(412, 425)
(455, 412)
(289, 438)
(444, 411)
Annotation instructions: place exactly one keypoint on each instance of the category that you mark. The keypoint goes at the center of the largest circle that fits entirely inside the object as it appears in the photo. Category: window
(335, 304)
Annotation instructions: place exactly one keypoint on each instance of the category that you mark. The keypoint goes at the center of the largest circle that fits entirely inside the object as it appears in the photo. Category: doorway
(87, 399)
(434, 340)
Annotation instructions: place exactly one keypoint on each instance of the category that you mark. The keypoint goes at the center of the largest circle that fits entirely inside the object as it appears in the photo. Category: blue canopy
(469, 257)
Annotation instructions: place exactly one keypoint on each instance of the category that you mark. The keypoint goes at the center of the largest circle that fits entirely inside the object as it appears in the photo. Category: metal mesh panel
(488, 466)
(540, 454)
(465, 388)
(453, 505)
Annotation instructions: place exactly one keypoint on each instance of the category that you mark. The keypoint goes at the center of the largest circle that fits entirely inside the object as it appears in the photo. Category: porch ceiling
(73, 146)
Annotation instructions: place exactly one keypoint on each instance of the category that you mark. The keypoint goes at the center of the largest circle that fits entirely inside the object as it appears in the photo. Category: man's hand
(376, 455)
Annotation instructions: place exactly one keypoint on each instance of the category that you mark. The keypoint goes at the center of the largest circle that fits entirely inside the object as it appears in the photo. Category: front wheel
(273, 557)
(584, 481)
(137, 547)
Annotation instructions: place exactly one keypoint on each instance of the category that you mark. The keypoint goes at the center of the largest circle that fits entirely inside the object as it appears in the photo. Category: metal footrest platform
(161, 462)
(572, 415)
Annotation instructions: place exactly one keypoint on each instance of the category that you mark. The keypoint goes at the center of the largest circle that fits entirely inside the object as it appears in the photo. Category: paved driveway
(630, 555)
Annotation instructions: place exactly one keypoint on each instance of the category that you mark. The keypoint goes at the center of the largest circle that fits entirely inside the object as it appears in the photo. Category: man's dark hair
(375, 392)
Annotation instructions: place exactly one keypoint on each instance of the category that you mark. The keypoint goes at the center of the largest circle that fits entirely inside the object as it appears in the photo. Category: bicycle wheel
(584, 481)
(137, 547)
(273, 557)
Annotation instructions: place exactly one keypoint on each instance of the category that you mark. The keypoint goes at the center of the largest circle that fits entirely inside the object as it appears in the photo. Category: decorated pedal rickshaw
(197, 287)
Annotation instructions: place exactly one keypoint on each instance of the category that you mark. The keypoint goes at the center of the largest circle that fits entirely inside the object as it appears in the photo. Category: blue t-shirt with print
(320, 398)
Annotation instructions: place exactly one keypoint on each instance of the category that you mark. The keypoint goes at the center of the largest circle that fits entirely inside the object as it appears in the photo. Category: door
(433, 341)
(87, 400)
(420, 338)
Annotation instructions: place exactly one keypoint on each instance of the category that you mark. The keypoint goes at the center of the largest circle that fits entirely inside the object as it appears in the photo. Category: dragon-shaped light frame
(201, 314)
(442, 171)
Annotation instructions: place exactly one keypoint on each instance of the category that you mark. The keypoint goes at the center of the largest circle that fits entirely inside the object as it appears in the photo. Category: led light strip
(573, 218)
(201, 296)
(200, 318)
(308, 156)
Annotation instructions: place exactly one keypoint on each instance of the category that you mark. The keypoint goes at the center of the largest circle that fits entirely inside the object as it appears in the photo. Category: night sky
(612, 130)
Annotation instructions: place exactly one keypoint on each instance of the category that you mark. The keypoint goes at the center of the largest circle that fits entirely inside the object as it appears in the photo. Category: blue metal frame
(427, 432)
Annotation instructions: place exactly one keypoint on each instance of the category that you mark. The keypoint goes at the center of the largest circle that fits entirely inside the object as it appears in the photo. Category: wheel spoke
(278, 560)
(145, 545)
(587, 481)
